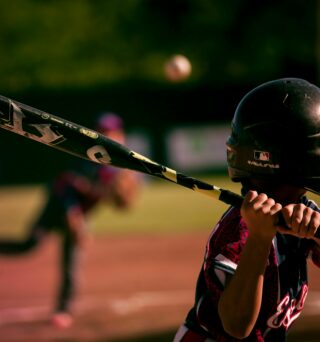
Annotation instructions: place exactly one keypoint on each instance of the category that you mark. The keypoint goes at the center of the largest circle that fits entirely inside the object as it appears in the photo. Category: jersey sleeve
(225, 246)
(223, 253)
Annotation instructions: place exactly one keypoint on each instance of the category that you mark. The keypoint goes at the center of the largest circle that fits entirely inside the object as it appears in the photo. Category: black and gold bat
(86, 143)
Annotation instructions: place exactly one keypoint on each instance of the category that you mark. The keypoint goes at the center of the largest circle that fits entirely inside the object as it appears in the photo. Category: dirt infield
(134, 288)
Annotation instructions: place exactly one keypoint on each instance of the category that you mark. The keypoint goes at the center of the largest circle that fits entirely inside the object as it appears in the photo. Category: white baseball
(177, 68)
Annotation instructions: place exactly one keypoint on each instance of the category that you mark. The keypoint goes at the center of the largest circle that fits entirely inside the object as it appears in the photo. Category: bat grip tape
(231, 198)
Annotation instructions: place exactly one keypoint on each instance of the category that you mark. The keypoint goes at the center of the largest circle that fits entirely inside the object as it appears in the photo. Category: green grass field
(161, 207)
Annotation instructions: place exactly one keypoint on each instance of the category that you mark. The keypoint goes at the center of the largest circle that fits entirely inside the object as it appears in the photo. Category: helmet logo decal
(262, 159)
(261, 155)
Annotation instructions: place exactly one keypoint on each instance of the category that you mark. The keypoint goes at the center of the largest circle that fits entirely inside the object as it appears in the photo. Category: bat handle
(231, 198)
(236, 200)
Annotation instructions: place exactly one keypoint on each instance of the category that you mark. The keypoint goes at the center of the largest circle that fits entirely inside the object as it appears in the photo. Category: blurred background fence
(78, 58)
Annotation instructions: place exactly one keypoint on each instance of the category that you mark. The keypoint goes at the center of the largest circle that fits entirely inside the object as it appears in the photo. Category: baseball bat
(86, 143)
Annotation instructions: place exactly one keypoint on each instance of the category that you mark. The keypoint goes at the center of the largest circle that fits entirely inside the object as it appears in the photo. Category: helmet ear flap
(237, 173)
(276, 134)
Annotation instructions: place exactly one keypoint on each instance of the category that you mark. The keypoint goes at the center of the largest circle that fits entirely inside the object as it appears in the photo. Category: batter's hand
(260, 213)
(302, 220)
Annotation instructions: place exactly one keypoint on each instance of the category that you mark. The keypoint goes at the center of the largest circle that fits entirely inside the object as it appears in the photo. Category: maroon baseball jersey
(285, 285)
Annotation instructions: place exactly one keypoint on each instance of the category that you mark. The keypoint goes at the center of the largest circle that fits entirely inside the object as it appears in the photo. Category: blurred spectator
(70, 197)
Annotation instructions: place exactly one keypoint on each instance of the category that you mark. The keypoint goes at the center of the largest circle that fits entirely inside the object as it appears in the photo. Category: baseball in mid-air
(177, 68)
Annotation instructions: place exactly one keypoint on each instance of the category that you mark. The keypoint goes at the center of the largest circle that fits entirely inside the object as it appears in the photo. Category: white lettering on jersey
(288, 312)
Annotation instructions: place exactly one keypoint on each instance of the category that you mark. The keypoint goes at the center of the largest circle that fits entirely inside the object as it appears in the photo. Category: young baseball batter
(71, 197)
(253, 282)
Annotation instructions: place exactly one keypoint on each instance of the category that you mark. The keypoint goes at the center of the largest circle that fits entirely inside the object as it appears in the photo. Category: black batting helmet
(276, 134)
